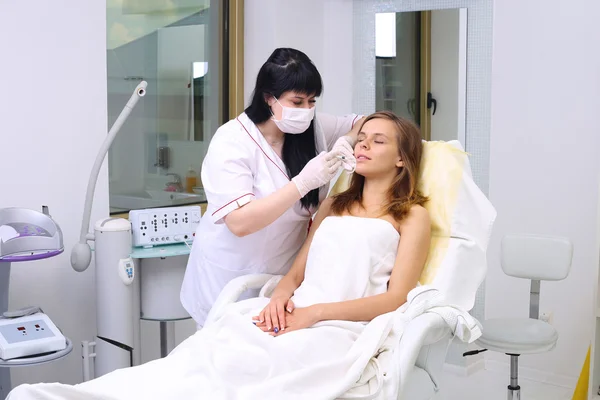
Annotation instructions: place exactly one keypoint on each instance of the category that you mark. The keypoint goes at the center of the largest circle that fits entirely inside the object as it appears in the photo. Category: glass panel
(173, 46)
(433, 94)
(398, 63)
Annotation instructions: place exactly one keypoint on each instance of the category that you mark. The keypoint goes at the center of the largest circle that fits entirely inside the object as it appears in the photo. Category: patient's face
(376, 151)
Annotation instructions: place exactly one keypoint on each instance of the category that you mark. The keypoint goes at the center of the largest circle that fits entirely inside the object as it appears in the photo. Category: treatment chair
(462, 219)
(536, 258)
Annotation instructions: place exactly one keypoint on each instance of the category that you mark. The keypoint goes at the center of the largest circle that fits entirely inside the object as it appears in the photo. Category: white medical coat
(241, 166)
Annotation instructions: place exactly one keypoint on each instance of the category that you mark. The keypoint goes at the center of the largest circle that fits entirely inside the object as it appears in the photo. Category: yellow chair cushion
(442, 167)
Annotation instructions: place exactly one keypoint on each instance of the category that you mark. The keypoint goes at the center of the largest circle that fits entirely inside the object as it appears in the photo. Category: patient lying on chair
(317, 336)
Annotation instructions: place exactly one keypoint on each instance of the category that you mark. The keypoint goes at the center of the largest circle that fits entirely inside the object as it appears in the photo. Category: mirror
(197, 95)
(182, 71)
(421, 68)
(174, 46)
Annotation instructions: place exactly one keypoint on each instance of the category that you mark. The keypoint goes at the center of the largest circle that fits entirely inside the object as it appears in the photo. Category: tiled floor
(491, 385)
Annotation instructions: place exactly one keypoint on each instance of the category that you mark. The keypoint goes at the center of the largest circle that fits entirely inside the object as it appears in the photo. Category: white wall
(321, 29)
(52, 121)
(544, 163)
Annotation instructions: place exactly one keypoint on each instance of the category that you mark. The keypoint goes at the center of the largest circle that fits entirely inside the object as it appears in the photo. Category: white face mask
(294, 120)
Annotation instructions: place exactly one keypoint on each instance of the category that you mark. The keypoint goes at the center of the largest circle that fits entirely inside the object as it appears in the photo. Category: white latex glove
(344, 148)
(317, 172)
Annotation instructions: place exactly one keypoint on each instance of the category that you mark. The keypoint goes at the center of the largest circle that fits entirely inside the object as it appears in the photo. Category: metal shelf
(38, 360)
(167, 250)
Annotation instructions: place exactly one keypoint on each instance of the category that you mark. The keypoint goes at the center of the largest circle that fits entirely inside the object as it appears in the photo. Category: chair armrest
(232, 291)
(424, 344)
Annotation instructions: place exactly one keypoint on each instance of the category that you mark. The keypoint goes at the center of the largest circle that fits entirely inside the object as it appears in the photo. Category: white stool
(537, 258)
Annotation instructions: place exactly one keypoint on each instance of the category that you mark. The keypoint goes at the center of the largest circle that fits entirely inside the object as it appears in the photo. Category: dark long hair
(403, 193)
(289, 70)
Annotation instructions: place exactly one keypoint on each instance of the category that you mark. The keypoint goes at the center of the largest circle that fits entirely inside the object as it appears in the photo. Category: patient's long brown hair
(403, 193)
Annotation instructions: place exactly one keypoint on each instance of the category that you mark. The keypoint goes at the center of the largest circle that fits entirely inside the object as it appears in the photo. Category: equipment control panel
(29, 335)
(158, 226)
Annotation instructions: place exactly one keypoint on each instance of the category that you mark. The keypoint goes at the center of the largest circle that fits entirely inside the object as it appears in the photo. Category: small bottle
(191, 179)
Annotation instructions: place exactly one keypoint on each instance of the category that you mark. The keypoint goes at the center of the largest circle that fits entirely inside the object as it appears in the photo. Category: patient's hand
(300, 318)
(273, 316)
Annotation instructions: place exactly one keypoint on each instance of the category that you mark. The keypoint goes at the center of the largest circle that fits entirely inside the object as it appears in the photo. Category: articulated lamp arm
(81, 255)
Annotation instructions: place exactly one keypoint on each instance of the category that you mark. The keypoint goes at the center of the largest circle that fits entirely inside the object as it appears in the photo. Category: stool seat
(518, 335)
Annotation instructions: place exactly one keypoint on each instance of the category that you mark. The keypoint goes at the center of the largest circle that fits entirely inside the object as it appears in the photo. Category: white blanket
(233, 359)
(188, 374)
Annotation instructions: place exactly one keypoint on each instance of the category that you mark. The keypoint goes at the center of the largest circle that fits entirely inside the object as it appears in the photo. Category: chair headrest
(461, 222)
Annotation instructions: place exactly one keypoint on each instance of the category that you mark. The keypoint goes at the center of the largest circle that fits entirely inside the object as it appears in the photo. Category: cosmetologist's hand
(343, 147)
(317, 172)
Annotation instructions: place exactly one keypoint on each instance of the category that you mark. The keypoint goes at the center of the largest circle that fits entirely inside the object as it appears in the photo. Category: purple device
(27, 235)
(24, 235)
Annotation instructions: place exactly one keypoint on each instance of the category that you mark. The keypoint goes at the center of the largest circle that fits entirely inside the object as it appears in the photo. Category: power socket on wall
(547, 317)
